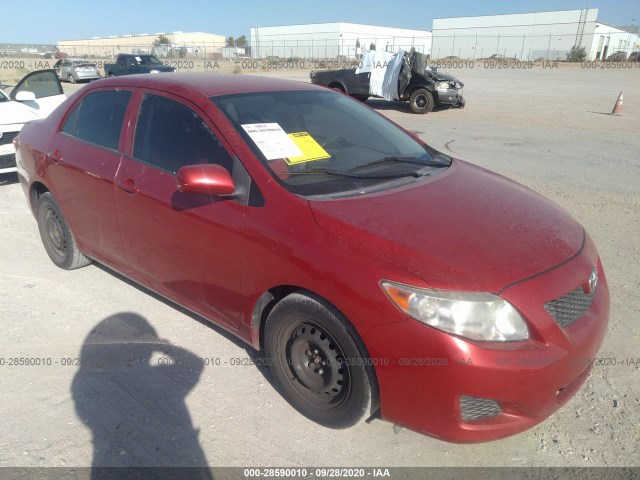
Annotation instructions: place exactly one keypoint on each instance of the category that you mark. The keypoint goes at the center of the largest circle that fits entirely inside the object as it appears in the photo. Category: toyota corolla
(380, 277)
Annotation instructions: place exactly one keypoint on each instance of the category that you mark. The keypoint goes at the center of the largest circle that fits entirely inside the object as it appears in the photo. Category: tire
(337, 87)
(421, 101)
(56, 236)
(307, 343)
(362, 98)
(72, 79)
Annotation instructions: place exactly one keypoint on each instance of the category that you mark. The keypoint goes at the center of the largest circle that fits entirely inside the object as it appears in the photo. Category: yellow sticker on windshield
(311, 150)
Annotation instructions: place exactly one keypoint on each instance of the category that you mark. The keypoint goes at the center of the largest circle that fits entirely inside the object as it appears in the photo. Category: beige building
(189, 44)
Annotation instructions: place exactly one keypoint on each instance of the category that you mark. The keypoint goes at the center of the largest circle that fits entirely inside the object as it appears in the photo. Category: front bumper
(451, 96)
(427, 377)
(7, 152)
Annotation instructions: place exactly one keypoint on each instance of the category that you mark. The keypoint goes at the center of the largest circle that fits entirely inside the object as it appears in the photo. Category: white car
(35, 96)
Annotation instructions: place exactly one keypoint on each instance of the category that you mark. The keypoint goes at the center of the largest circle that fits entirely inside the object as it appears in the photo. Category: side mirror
(207, 179)
(24, 96)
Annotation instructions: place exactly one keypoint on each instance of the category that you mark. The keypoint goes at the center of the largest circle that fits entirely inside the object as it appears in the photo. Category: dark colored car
(132, 64)
(619, 56)
(417, 83)
(380, 276)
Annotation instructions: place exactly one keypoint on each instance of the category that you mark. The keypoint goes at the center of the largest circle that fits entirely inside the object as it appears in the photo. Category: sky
(48, 21)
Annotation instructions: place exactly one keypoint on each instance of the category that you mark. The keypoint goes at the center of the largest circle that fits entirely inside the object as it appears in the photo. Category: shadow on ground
(384, 105)
(130, 390)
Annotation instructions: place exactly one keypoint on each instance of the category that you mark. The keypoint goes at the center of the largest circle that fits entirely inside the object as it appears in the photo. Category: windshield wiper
(349, 174)
(412, 160)
(425, 167)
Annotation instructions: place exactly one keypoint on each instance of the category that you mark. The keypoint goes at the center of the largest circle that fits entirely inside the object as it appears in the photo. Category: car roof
(210, 84)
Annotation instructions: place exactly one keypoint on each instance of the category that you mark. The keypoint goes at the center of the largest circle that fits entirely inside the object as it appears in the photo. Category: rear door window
(99, 118)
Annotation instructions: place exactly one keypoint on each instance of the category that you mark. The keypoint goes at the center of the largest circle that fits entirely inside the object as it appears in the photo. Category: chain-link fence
(548, 46)
(325, 48)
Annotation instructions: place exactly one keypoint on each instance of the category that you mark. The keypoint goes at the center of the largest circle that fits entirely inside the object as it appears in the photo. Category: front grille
(7, 161)
(570, 307)
(472, 408)
(7, 137)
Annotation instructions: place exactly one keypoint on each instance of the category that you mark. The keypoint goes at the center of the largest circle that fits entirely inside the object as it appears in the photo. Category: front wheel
(421, 101)
(72, 79)
(318, 362)
(56, 236)
(337, 87)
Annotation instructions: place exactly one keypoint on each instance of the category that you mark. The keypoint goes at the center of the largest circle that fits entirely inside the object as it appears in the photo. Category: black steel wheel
(56, 237)
(421, 101)
(319, 362)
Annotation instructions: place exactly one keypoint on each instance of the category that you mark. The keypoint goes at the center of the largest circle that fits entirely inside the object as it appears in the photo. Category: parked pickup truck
(418, 83)
(129, 64)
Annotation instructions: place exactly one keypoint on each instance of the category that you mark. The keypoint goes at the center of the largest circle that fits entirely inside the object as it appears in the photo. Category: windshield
(148, 60)
(322, 142)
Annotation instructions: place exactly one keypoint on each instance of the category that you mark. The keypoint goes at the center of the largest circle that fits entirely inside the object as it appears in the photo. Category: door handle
(56, 156)
(129, 186)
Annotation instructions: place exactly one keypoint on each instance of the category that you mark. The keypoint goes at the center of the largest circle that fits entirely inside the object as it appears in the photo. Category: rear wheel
(362, 98)
(421, 101)
(56, 236)
(337, 87)
(319, 362)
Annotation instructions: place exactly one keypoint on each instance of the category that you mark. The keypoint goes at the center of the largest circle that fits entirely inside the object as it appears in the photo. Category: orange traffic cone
(617, 108)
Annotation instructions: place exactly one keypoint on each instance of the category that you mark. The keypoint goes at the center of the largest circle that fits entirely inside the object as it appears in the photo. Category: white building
(529, 36)
(188, 42)
(332, 40)
(608, 39)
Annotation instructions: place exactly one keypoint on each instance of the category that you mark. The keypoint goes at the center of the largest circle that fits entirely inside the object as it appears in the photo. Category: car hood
(465, 229)
(12, 113)
(441, 77)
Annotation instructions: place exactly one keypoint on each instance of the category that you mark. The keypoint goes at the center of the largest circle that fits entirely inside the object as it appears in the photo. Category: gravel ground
(546, 128)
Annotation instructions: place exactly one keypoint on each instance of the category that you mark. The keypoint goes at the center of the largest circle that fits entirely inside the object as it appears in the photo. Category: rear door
(186, 246)
(82, 164)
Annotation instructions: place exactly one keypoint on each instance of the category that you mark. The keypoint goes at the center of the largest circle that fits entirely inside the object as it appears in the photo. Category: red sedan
(379, 276)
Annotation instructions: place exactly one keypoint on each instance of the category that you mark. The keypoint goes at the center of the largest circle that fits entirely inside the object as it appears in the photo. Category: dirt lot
(546, 128)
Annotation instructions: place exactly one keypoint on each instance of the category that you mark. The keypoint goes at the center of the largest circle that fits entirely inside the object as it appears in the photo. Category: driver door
(186, 246)
(46, 87)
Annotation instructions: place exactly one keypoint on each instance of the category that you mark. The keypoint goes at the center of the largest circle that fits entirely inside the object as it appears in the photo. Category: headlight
(474, 315)
(443, 86)
(155, 71)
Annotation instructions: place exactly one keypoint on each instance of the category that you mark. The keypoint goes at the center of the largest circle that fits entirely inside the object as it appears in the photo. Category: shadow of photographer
(130, 391)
